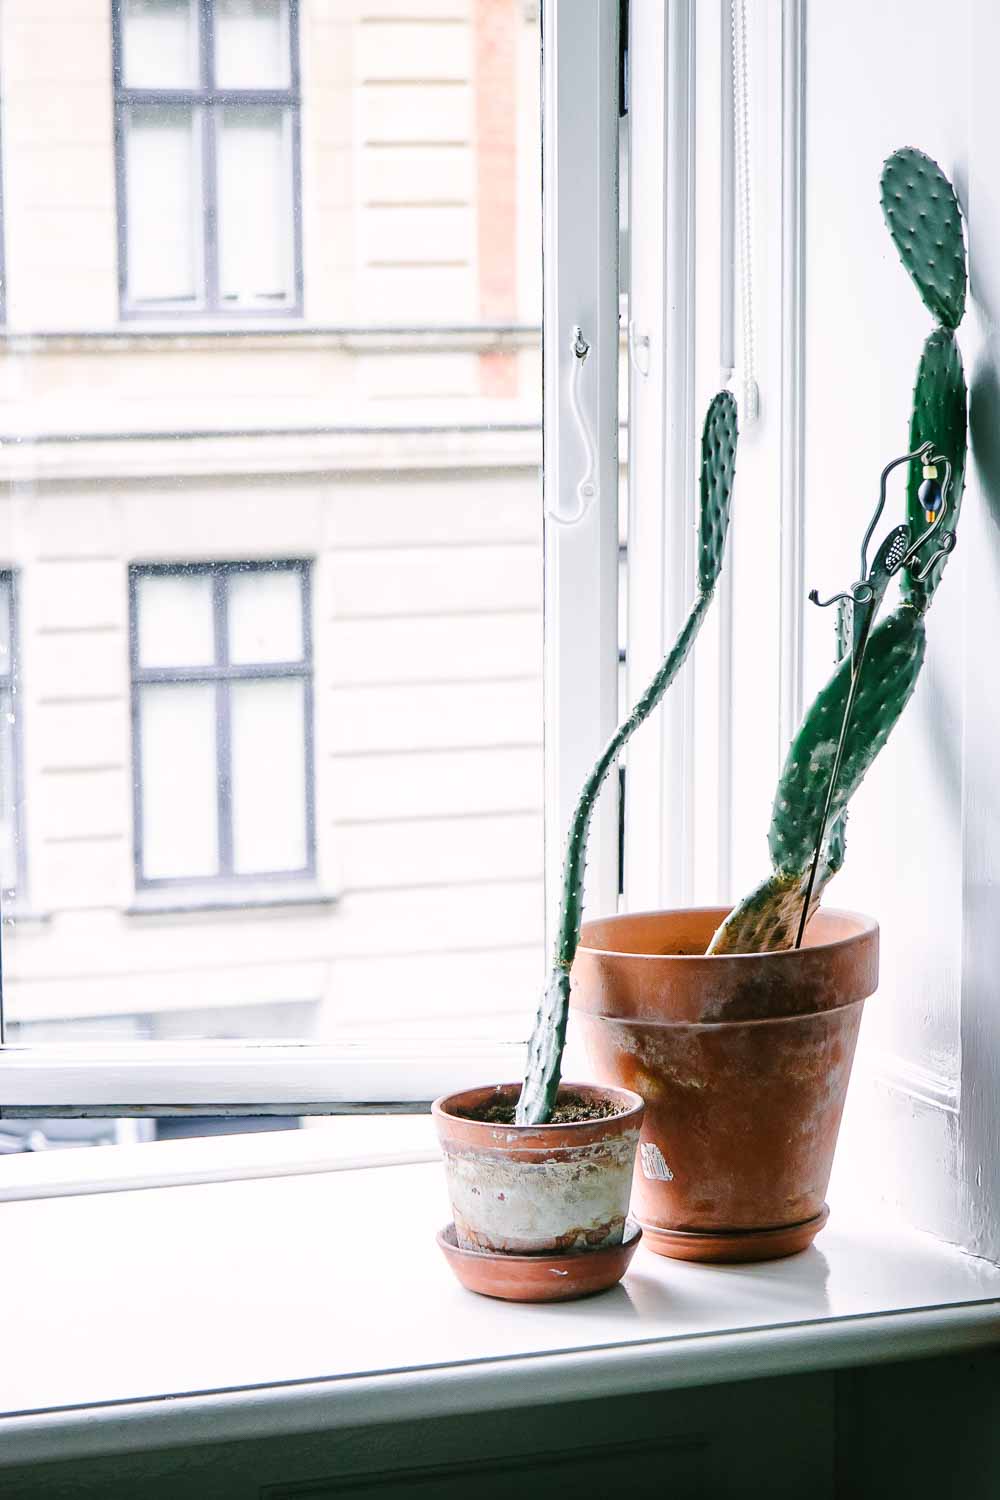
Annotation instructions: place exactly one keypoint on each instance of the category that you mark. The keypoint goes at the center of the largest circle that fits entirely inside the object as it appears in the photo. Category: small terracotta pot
(743, 1061)
(538, 1189)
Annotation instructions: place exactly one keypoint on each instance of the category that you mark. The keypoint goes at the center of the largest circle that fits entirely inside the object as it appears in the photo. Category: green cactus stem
(545, 1049)
(924, 220)
(940, 413)
(922, 215)
(888, 676)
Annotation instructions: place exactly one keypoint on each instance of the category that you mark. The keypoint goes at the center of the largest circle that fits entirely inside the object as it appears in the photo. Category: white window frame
(580, 211)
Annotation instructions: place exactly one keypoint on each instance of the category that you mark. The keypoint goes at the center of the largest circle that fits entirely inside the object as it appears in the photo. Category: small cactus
(545, 1049)
(922, 215)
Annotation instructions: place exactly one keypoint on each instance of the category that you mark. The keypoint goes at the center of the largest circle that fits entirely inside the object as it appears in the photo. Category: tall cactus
(545, 1049)
(923, 218)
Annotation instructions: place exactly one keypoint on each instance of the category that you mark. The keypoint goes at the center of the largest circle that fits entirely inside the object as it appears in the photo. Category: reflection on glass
(163, 173)
(251, 44)
(265, 616)
(175, 619)
(160, 44)
(255, 205)
(179, 801)
(269, 776)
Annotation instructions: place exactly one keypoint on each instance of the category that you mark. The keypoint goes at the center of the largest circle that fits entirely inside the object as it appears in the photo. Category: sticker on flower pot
(653, 1164)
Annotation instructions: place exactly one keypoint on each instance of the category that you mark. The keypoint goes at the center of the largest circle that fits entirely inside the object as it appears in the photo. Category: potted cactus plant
(735, 1029)
(540, 1175)
(738, 1027)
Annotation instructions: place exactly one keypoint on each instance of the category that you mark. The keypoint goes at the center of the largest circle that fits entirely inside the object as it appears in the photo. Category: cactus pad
(888, 675)
(922, 215)
(940, 414)
(718, 464)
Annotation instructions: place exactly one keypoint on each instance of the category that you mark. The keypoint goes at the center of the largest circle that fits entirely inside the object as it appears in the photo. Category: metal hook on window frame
(587, 488)
(639, 349)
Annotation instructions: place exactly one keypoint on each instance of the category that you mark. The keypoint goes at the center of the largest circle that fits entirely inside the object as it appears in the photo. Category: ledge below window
(294, 1304)
(187, 900)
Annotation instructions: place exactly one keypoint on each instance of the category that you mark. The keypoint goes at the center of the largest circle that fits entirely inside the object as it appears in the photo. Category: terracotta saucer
(540, 1278)
(729, 1247)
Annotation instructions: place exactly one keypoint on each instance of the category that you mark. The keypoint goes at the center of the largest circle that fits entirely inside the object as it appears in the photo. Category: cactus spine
(922, 215)
(545, 1049)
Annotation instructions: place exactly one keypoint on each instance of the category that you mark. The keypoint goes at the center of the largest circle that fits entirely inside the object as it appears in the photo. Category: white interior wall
(865, 326)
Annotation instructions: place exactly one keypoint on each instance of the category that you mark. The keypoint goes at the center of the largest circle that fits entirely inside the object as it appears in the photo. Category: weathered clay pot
(743, 1062)
(536, 1189)
(540, 1278)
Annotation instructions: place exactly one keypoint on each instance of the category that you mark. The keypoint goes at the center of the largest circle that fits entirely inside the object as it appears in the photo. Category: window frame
(3, 222)
(11, 681)
(580, 72)
(207, 99)
(222, 673)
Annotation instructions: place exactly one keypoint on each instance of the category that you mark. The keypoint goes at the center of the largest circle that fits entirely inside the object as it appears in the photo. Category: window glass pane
(178, 789)
(265, 616)
(401, 458)
(251, 44)
(162, 171)
(255, 205)
(176, 621)
(159, 44)
(269, 769)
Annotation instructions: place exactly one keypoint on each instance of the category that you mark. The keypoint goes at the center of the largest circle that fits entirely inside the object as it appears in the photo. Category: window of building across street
(222, 721)
(207, 151)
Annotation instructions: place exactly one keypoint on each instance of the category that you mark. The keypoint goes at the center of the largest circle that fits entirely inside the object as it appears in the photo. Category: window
(361, 900)
(11, 844)
(207, 142)
(222, 722)
(396, 445)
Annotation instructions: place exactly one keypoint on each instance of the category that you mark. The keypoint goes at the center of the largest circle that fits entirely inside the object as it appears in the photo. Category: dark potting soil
(571, 1110)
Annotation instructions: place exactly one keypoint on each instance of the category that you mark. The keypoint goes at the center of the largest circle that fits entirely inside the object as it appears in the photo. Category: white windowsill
(299, 1302)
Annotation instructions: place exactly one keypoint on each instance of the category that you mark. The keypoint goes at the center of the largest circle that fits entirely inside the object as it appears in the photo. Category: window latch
(586, 489)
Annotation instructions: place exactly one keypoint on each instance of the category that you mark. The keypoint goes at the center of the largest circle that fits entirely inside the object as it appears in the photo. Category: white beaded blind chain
(747, 393)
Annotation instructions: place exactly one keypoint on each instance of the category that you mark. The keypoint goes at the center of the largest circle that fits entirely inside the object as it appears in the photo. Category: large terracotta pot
(743, 1062)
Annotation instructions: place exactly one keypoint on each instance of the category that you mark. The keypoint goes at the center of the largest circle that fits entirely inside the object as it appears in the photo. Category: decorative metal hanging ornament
(861, 603)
